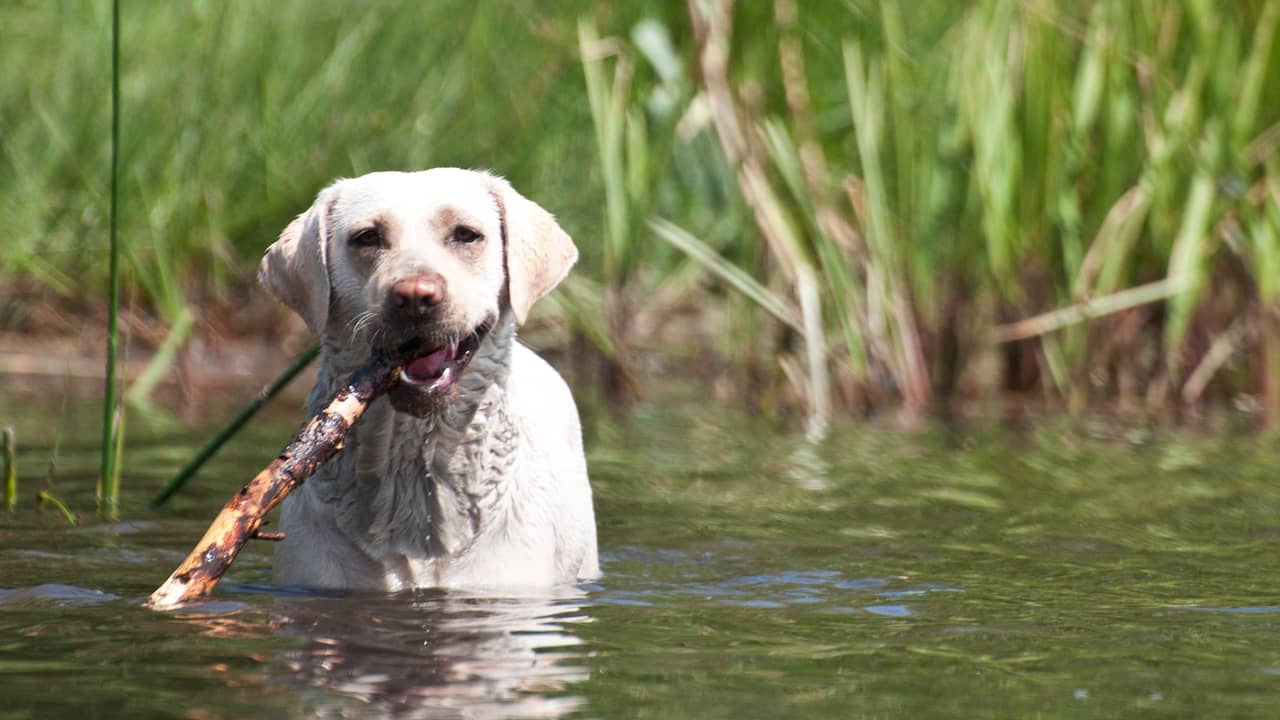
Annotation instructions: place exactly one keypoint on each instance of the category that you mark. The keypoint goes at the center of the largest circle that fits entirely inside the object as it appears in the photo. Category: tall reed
(112, 413)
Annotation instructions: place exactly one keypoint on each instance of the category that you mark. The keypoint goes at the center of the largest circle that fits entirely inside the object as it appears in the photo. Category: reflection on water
(52, 595)
(675, 574)
(422, 655)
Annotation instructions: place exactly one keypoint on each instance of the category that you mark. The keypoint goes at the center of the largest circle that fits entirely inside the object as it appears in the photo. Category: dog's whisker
(361, 324)
(353, 324)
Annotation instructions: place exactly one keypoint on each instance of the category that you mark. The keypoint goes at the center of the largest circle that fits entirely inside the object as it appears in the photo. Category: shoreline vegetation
(830, 209)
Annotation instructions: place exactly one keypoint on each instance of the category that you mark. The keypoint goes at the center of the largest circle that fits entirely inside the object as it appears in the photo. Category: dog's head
(427, 260)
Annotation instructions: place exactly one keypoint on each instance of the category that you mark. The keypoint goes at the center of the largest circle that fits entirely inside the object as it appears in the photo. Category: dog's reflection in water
(425, 654)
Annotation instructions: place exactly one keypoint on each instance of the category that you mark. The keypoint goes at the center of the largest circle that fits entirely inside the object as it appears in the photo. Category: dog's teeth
(445, 378)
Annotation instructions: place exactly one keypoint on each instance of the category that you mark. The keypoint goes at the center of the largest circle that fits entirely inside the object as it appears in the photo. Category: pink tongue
(429, 367)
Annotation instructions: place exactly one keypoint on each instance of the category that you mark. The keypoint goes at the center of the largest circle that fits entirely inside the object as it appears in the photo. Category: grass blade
(1095, 308)
(7, 447)
(735, 276)
(140, 390)
(109, 479)
(1189, 261)
(44, 496)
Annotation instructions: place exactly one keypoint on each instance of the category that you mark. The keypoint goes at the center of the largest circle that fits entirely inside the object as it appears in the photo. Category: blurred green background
(840, 207)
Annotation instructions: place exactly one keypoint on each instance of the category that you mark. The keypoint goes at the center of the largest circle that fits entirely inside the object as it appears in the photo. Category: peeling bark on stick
(317, 441)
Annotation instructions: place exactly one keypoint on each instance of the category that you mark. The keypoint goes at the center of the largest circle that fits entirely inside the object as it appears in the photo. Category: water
(1082, 570)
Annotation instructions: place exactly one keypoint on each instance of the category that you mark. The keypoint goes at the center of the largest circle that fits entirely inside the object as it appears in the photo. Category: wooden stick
(317, 441)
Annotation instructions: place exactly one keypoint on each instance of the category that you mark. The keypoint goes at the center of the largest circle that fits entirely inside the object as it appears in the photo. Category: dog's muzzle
(430, 378)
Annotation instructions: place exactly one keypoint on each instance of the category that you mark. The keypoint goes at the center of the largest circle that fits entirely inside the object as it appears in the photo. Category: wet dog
(470, 471)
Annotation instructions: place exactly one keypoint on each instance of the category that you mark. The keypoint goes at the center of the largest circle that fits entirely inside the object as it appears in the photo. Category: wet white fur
(490, 493)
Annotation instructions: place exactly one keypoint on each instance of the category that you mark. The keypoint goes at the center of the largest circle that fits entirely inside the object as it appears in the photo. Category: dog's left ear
(295, 267)
(539, 253)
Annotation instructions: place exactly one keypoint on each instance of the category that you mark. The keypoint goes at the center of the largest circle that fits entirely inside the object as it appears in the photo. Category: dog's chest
(413, 492)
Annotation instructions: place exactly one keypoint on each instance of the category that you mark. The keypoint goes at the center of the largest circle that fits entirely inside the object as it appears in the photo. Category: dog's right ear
(296, 266)
(538, 252)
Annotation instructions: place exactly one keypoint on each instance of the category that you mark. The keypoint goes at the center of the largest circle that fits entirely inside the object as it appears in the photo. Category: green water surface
(1057, 570)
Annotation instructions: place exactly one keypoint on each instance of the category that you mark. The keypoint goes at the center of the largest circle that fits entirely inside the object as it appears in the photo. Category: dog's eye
(367, 238)
(464, 234)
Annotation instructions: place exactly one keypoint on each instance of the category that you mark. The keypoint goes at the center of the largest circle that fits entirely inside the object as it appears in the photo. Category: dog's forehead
(445, 195)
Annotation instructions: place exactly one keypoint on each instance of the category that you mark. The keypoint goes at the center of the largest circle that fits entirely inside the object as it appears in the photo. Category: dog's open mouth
(437, 371)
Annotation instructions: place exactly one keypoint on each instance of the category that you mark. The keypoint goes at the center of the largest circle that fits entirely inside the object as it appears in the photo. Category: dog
(470, 472)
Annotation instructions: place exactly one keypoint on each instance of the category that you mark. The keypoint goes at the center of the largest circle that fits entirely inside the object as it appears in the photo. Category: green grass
(921, 177)
(8, 455)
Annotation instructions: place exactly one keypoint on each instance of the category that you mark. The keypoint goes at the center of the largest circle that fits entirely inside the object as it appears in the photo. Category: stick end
(169, 596)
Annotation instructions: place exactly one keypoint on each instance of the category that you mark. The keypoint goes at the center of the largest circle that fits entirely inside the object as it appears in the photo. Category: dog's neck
(388, 484)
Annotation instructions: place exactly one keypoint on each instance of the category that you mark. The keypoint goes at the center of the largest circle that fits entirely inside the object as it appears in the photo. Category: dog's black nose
(415, 297)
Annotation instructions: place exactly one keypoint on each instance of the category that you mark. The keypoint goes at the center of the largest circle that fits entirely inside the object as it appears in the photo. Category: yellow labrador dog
(470, 472)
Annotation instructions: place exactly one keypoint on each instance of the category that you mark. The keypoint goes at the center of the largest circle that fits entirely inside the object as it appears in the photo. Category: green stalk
(1098, 307)
(607, 104)
(109, 481)
(1189, 260)
(10, 469)
(140, 389)
(738, 279)
(44, 496)
(234, 426)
